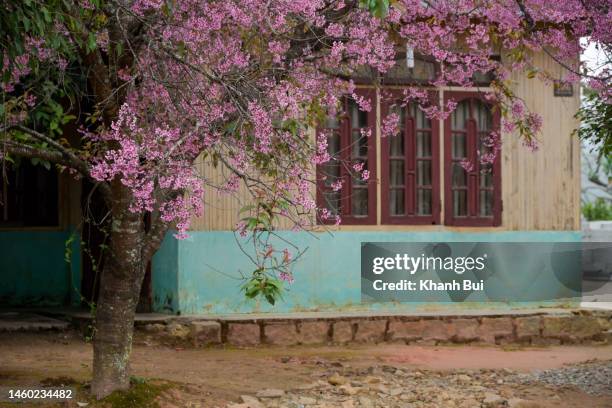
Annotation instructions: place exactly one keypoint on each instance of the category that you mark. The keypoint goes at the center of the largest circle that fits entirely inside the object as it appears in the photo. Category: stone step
(27, 322)
(537, 328)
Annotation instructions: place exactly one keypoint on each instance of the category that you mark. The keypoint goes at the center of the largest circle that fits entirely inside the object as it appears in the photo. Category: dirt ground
(214, 377)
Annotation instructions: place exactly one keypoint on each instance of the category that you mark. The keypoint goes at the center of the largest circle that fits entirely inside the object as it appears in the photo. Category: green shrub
(600, 210)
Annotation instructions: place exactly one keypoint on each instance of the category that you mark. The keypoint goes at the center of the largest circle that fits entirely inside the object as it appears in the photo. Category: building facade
(418, 191)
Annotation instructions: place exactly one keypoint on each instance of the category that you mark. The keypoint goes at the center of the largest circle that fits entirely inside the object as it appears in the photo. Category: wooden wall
(540, 190)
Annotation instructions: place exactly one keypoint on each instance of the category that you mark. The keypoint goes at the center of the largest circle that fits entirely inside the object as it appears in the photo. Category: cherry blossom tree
(153, 85)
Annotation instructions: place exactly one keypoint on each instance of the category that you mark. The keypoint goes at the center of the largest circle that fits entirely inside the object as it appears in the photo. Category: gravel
(594, 377)
(339, 385)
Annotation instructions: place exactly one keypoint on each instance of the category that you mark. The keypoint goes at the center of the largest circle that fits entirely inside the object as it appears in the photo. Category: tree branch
(18, 149)
(60, 155)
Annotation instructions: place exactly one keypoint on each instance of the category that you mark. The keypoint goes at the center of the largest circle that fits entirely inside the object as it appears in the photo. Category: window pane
(359, 145)
(460, 116)
(486, 179)
(422, 121)
(459, 176)
(331, 172)
(459, 203)
(396, 202)
(424, 172)
(333, 144)
(28, 196)
(332, 201)
(359, 202)
(396, 145)
(484, 142)
(423, 141)
(459, 147)
(413, 108)
(486, 203)
(400, 111)
(357, 180)
(396, 172)
(359, 118)
(484, 118)
(423, 202)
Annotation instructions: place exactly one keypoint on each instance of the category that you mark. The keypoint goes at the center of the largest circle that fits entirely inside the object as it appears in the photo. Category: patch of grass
(142, 394)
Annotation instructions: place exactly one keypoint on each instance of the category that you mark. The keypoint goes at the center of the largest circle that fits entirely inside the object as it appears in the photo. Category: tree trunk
(121, 279)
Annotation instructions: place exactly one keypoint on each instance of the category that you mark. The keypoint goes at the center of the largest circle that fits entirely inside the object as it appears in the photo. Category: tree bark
(121, 279)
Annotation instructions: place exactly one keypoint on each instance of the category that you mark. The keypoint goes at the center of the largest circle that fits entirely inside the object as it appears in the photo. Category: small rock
(408, 396)
(270, 393)
(155, 327)
(463, 378)
(492, 400)
(347, 404)
(365, 402)
(251, 402)
(337, 379)
(372, 380)
(307, 401)
(381, 388)
(178, 330)
(469, 403)
(348, 390)
(517, 403)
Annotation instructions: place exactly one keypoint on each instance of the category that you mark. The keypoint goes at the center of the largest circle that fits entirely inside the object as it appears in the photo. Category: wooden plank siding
(540, 190)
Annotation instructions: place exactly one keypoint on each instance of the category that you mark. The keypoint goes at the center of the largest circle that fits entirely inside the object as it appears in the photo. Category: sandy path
(227, 373)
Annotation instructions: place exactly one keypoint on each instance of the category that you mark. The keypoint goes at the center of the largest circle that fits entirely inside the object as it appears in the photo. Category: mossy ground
(141, 394)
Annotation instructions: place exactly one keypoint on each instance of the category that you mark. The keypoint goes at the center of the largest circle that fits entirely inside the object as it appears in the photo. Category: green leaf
(247, 208)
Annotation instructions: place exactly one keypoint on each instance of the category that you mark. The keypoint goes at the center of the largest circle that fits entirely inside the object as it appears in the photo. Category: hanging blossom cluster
(250, 76)
(243, 82)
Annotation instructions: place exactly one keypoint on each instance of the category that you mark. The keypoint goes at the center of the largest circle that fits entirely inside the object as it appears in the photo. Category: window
(351, 140)
(472, 193)
(28, 196)
(410, 167)
(412, 177)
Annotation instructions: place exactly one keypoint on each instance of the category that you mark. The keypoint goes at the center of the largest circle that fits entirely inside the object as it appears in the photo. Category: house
(417, 192)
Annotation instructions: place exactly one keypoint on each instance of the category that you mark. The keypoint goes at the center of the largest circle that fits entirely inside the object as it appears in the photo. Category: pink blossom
(390, 125)
(286, 276)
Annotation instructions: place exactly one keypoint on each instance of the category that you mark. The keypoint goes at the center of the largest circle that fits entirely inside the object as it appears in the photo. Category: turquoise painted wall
(33, 271)
(164, 276)
(203, 274)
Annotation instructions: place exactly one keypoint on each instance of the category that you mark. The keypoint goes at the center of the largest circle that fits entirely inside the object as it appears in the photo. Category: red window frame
(410, 168)
(346, 192)
(473, 177)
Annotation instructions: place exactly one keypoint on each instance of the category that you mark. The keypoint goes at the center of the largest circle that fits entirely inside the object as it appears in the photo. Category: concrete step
(26, 321)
